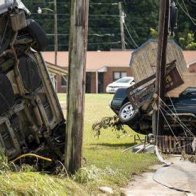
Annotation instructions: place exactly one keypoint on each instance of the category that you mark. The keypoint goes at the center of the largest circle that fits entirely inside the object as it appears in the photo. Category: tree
(188, 42)
(104, 27)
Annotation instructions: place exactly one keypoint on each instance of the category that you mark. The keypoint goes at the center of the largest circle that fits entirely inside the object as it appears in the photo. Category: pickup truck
(134, 107)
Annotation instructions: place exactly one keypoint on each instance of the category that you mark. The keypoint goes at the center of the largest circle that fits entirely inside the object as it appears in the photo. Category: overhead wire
(187, 11)
(135, 44)
(177, 118)
(185, 128)
(168, 125)
(179, 146)
(175, 110)
(178, 121)
(193, 20)
(128, 41)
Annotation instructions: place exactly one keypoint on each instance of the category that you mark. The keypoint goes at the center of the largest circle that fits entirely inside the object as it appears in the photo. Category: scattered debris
(106, 189)
(194, 145)
(188, 157)
(108, 122)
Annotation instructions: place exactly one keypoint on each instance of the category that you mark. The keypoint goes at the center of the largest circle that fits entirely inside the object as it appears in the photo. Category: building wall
(60, 88)
(93, 82)
(107, 78)
(192, 67)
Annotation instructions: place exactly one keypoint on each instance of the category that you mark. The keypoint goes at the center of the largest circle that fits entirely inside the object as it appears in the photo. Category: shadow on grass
(124, 145)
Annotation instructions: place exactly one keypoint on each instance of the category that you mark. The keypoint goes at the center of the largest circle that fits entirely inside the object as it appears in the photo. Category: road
(177, 179)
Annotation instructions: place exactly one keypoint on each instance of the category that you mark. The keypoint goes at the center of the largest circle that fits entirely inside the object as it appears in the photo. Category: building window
(63, 81)
(119, 74)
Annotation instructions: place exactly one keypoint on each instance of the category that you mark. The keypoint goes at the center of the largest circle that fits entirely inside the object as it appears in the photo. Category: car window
(124, 80)
(120, 94)
(189, 92)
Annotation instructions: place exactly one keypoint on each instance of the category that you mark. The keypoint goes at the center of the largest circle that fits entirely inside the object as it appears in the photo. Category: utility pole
(161, 65)
(76, 84)
(55, 33)
(122, 20)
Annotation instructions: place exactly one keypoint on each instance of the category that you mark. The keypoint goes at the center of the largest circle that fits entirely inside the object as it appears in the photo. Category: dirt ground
(177, 179)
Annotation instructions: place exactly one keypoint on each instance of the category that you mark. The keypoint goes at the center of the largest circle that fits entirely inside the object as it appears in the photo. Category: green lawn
(105, 163)
(107, 150)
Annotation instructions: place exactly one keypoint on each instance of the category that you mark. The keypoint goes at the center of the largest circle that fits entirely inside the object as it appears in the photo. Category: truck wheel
(38, 34)
(127, 112)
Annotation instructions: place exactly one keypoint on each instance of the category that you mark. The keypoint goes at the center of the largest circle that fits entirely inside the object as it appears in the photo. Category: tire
(38, 34)
(127, 112)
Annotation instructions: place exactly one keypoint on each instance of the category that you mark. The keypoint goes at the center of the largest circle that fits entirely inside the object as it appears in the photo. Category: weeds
(86, 174)
(4, 165)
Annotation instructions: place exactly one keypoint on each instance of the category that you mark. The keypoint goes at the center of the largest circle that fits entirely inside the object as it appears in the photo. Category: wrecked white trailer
(31, 119)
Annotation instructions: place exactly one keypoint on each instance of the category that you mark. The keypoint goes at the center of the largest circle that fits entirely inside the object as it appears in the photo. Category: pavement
(177, 179)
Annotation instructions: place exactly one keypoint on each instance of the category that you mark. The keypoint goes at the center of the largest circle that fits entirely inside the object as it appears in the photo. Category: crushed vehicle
(31, 119)
(134, 106)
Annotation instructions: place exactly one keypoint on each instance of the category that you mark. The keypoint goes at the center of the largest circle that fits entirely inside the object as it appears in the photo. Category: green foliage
(105, 162)
(4, 165)
(153, 33)
(32, 183)
(104, 27)
(188, 42)
(87, 174)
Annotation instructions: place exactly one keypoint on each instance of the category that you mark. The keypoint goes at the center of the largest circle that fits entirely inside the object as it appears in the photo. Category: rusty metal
(18, 20)
(175, 145)
(144, 90)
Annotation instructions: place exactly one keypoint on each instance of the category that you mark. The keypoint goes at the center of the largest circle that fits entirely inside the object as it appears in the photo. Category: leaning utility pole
(76, 84)
(161, 65)
(122, 20)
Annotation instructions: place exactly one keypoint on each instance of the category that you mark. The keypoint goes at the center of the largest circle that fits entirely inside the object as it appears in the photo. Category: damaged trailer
(31, 119)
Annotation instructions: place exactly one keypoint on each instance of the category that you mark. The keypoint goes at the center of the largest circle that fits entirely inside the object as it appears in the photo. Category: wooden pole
(122, 15)
(161, 64)
(76, 84)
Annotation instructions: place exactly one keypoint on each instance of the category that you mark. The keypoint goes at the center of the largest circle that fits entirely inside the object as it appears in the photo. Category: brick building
(104, 67)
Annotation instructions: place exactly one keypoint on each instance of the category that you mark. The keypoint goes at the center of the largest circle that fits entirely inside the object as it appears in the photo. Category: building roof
(97, 60)
(190, 56)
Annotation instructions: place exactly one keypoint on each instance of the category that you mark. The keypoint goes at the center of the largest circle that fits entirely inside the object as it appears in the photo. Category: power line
(135, 44)
(91, 15)
(128, 41)
(185, 10)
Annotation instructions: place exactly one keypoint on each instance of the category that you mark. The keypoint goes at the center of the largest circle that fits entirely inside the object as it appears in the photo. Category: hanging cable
(178, 119)
(187, 13)
(172, 116)
(169, 125)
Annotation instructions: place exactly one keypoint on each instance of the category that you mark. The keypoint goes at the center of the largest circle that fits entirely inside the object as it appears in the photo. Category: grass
(105, 163)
